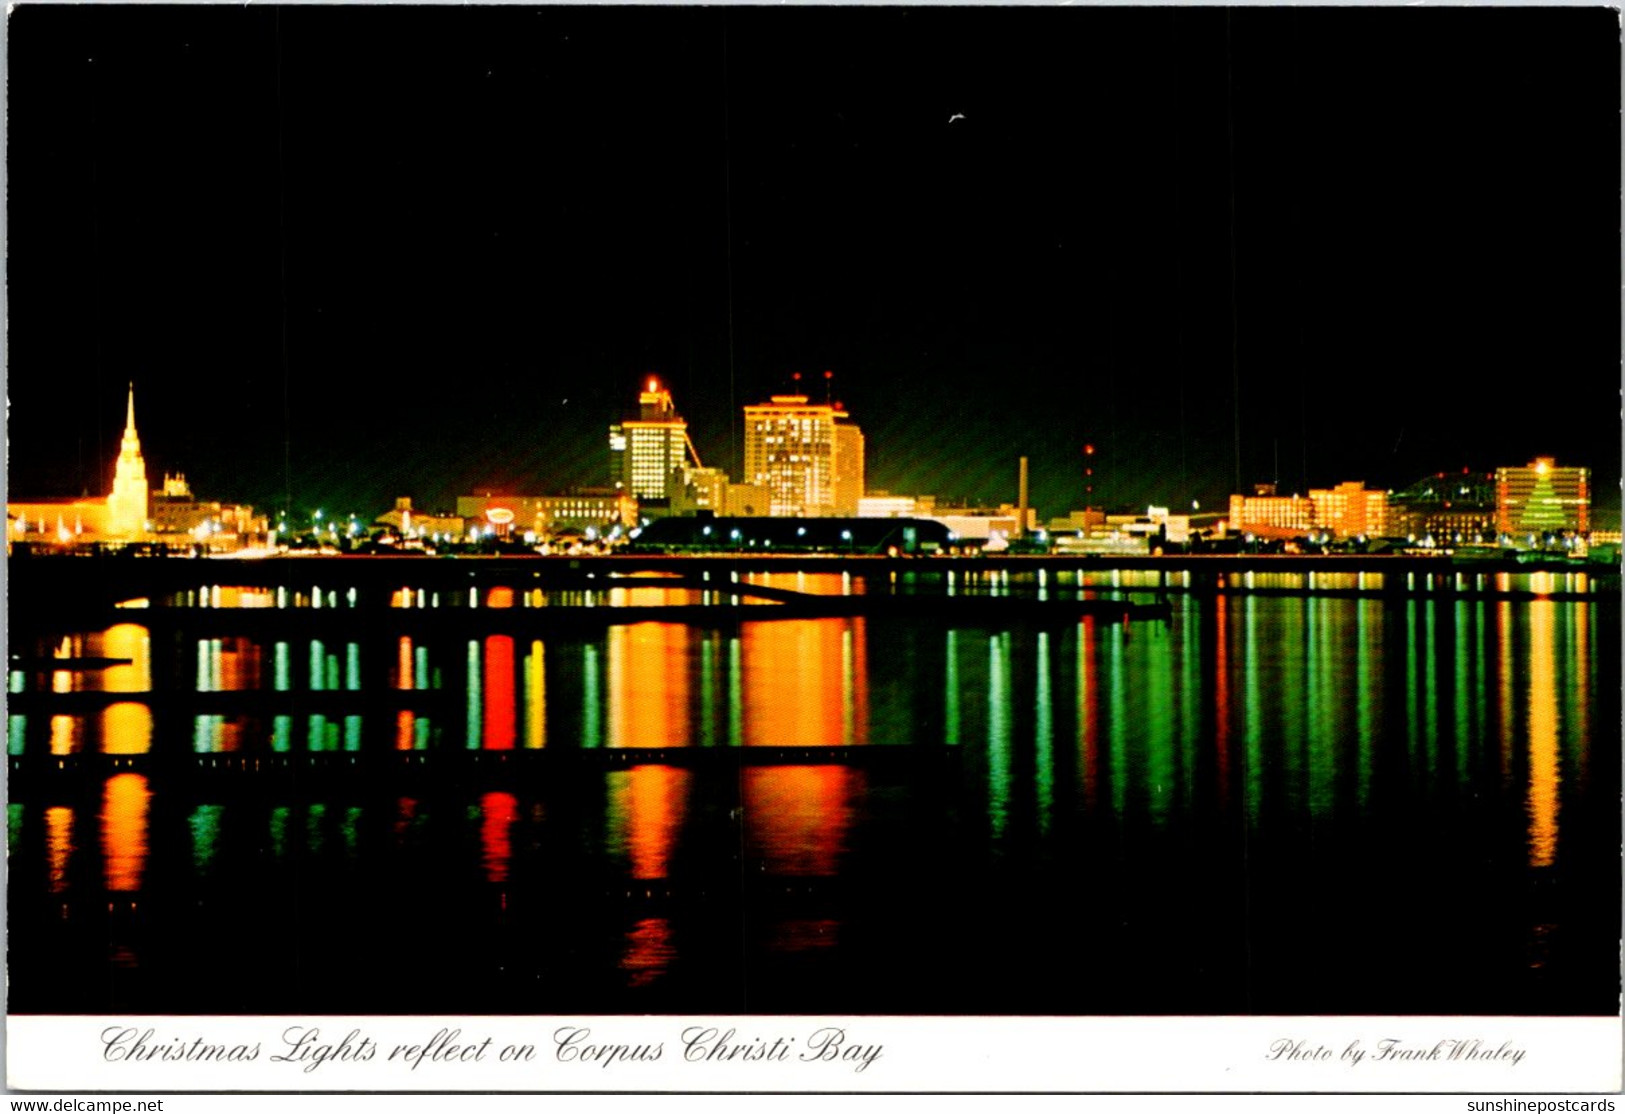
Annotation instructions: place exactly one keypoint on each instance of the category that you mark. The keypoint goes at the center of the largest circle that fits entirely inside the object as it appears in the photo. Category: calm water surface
(1296, 803)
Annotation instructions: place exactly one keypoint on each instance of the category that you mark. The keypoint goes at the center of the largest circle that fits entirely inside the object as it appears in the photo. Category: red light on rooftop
(1088, 450)
(654, 384)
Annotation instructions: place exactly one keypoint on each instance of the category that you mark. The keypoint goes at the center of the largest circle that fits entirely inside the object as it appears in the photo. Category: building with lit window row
(1446, 507)
(1348, 510)
(807, 456)
(649, 452)
(536, 517)
(1540, 499)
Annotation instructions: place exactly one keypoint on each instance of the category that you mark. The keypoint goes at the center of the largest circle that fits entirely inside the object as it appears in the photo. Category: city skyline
(350, 256)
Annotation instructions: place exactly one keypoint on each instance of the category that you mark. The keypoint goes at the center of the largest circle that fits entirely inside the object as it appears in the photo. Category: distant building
(848, 466)
(783, 535)
(807, 456)
(702, 489)
(600, 510)
(1351, 510)
(176, 516)
(983, 523)
(130, 512)
(1445, 506)
(882, 505)
(649, 452)
(409, 523)
(1268, 515)
(1541, 498)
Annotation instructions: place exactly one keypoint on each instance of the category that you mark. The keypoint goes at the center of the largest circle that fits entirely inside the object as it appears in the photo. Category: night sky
(353, 253)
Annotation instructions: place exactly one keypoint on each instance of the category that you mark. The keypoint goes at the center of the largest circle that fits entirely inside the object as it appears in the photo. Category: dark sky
(353, 253)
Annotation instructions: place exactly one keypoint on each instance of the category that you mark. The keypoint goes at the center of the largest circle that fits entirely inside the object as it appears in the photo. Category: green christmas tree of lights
(1543, 513)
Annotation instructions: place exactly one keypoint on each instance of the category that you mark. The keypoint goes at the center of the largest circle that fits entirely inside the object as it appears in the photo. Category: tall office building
(807, 457)
(648, 452)
(848, 466)
(1541, 498)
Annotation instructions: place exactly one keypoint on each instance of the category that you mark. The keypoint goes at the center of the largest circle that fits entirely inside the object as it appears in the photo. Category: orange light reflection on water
(647, 806)
(127, 729)
(1543, 725)
(125, 802)
(797, 817)
(649, 951)
(58, 845)
(649, 685)
(800, 679)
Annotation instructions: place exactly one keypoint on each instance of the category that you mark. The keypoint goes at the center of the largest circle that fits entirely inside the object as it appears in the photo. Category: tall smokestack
(1021, 502)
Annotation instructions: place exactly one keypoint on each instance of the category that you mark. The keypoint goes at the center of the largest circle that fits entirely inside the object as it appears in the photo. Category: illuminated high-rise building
(807, 456)
(648, 453)
(1351, 510)
(848, 466)
(127, 504)
(1541, 498)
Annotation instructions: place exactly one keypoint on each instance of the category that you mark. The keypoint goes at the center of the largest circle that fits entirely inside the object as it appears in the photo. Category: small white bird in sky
(956, 116)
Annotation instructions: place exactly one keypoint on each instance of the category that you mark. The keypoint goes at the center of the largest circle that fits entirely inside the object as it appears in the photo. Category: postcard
(824, 549)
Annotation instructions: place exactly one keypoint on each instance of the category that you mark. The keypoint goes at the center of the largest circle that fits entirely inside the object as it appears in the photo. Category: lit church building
(130, 513)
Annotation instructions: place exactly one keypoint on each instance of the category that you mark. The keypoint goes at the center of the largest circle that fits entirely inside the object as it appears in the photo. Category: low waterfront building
(770, 535)
(583, 511)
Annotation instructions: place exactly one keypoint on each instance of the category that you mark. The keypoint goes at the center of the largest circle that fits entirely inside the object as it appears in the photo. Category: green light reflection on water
(1251, 728)
(281, 734)
(1365, 692)
(16, 733)
(315, 815)
(708, 695)
(352, 666)
(1324, 704)
(951, 690)
(204, 731)
(318, 672)
(14, 826)
(281, 668)
(204, 824)
(592, 729)
(279, 832)
(1160, 776)
(998, 731)
(1117, 719)
(1190, 690)
(736, 696)
(348, 830)
(1412, 697)
(1430, 697)
(474, 725)
(1465, 635)
(1044, 732)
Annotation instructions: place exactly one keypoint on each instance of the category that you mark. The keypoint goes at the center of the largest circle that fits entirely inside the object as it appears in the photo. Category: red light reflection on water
(500, 715)
(498, 811)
